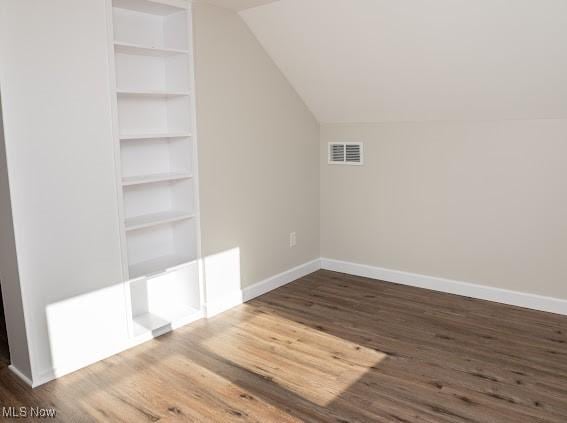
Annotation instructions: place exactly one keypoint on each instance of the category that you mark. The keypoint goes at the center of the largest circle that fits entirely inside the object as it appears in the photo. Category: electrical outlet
(292, 240)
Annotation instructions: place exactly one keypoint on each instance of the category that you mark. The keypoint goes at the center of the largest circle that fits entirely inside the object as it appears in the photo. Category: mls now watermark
(28, 412)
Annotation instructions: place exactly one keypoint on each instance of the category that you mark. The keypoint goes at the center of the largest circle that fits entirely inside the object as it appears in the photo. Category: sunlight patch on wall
(85, 328)
(223, 287)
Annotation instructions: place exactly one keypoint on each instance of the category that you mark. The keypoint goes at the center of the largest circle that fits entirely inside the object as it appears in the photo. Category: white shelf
(140, 50)
(159, 94)
(153, 7)
(158, 177)
(151, 136)
(157, 265)
(148, 220)
(150, 322)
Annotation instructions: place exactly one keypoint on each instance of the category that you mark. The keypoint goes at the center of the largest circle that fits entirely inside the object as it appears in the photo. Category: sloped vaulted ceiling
(416, 60)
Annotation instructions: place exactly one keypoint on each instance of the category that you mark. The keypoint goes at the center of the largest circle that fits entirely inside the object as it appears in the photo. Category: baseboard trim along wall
(211, 309)
(280, 279)
(22, 376)
(466, 289)
(233, 299)
(236, 298)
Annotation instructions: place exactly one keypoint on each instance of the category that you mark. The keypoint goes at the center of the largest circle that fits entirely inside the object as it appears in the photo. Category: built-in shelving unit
(155, 125)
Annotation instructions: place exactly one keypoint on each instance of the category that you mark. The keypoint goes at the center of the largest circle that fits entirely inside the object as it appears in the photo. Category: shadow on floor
(332, 347)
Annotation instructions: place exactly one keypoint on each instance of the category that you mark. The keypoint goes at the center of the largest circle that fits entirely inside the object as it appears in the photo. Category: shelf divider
(151, 323)
(149, 136)
(152, 7)
(149, 93)
(140, 50)
(157, 177)
(154, 219)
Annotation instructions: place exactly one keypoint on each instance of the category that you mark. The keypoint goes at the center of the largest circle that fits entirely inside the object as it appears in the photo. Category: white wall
(54, 80)
(465, 104)
(480, 202)
(258, 157)
(9, 273)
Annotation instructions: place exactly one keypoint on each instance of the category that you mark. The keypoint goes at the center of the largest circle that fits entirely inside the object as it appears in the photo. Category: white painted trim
(212, 309)
(195, 143)
(236, 298)
(280, 279)
(53, 373)
(467, 289)
(21, 376)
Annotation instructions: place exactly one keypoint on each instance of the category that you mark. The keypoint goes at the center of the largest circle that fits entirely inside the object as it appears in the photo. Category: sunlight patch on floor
(307, 362)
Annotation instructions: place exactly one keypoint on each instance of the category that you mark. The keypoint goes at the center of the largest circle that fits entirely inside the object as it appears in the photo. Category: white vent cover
(349, 153)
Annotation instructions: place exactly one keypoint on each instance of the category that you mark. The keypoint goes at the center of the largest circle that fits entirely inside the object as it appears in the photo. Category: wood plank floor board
(553, 356)
(389, 382)
(329, 348)
(453, 333)
(444, 302)
(431, 302)
(476, 371)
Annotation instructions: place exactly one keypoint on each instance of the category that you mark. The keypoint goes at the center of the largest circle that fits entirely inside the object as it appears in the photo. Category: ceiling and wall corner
(462, 108)
(430, 60)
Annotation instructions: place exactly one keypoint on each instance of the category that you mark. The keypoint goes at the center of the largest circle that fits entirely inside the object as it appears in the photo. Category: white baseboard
(280, 279)
(482, 292)
(236, 298)
(20, 375)
(53, 373)
(228, 301)
(232, 299)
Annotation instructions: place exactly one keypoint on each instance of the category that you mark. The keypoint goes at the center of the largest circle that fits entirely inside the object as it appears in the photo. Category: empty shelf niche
(165, 300)
(153, 114)
(173, 198)
(155, 249)
(156, 156)
(139, 26)
(151, 73)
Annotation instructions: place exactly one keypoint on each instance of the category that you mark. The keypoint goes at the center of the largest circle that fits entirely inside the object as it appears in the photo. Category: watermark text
(27, 413)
